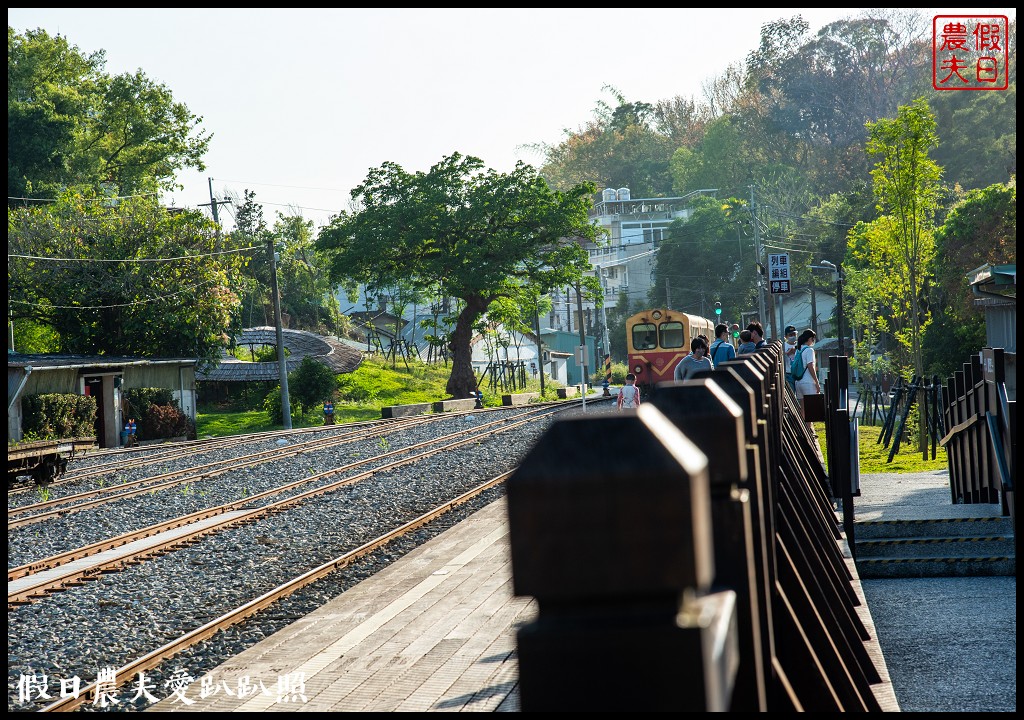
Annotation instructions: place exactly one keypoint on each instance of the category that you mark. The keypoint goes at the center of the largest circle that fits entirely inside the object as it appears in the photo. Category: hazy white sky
(301, 103)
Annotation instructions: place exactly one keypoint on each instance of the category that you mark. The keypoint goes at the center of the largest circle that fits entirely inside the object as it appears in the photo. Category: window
(671, 334)
(644, 336)
(633, 233)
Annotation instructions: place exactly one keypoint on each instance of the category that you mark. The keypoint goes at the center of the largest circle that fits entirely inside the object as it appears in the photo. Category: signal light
(718, 309)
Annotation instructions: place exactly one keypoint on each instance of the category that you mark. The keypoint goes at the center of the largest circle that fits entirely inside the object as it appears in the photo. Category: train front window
(644, 336)
(671, 334)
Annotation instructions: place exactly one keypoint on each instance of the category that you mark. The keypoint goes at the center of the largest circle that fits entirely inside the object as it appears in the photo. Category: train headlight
(638, 369)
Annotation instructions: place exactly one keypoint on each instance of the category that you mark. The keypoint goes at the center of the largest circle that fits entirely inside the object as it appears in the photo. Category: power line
(105, 307)
(298, 187)
(133, 260)
(115, 197)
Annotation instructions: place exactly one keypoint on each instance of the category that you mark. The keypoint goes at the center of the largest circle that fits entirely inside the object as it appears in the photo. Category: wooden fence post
(617, 549)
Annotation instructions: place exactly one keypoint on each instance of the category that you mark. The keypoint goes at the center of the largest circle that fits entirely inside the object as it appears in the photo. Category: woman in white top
(808, 383)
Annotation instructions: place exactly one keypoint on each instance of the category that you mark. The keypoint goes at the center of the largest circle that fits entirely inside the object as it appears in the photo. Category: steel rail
(243, 612)
(42, 588)
(112, 493)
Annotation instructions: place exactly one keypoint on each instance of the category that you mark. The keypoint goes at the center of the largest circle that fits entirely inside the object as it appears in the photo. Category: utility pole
(782, 319)
(757, 257)
(540, 345)
(583, 344)
(668, 294)
(286, 408)
(216, 215)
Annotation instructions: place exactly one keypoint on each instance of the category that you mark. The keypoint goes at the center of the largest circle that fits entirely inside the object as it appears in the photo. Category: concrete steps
(953, 547)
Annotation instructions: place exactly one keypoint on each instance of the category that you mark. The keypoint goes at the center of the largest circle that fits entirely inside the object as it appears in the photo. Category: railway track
(393, 495)
(230, 515)
(37, 512)
(239, 614)
(124, 459)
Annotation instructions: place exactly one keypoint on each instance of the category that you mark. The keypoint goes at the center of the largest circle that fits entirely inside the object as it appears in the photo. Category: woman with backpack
(804, 368)
(805, 376)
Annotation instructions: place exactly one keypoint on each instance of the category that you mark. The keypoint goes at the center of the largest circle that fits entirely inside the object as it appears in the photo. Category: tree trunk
(462, 382)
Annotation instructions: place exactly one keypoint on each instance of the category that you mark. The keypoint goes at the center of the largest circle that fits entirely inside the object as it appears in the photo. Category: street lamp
(837, 278)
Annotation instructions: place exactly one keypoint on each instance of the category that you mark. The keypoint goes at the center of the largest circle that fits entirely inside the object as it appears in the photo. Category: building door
(94, 389)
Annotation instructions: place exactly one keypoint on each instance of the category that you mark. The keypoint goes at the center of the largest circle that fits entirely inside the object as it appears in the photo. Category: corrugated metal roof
(44, 362)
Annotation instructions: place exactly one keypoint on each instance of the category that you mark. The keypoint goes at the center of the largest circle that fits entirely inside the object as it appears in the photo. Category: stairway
(955, 547)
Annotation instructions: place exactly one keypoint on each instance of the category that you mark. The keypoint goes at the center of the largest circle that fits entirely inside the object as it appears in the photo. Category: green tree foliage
(307, 295)
(130, 278)
(816, 93)
(978, 130)
(311, 382)
(469, 233)
(980, 229)
(720, 160)
(70, 124)
(617, 148)
(906, 184)
(703, 261)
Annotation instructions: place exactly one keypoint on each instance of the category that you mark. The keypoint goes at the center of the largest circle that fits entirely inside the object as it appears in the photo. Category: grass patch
(874, 458)
(361, 395)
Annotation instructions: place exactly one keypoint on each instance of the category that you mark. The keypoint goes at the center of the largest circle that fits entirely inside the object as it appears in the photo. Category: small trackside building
(104, 377)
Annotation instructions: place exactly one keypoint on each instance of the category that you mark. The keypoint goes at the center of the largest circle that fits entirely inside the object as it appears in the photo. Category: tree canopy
(130, 278)
(71, 124)
(463, 231)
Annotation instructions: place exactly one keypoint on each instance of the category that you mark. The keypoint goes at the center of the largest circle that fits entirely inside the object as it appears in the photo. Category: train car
(44, 460)
(657, 339)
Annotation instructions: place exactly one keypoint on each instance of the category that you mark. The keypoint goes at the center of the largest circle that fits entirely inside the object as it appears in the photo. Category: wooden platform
(434, 631)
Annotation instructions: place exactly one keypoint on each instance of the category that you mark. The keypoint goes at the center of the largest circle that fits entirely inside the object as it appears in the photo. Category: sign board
(778, 273)
(581, 355)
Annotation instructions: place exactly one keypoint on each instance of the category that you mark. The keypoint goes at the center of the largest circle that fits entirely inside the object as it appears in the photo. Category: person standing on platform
(721, 349)
(789, 352)
(746, 344)
(695, 362)
(807, 382)
(629, 394)
(757, 334)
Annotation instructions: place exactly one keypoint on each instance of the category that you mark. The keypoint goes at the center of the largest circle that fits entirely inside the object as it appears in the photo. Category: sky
(302, 103)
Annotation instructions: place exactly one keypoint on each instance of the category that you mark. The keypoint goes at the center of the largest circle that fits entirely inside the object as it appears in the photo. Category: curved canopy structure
(338, 357)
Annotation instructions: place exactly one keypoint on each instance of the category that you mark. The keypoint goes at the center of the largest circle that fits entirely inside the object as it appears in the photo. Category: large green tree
(897, 249)
(467, 232)
(130, 278)
(980, 229)
(619, 147)
(71, 124)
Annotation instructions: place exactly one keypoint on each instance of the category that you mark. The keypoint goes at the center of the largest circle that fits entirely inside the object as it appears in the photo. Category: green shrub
(311, 382)
(156, 413)
(58, 415)
(162, 421)
(272, 405)
(619, 371)
(137, 400)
